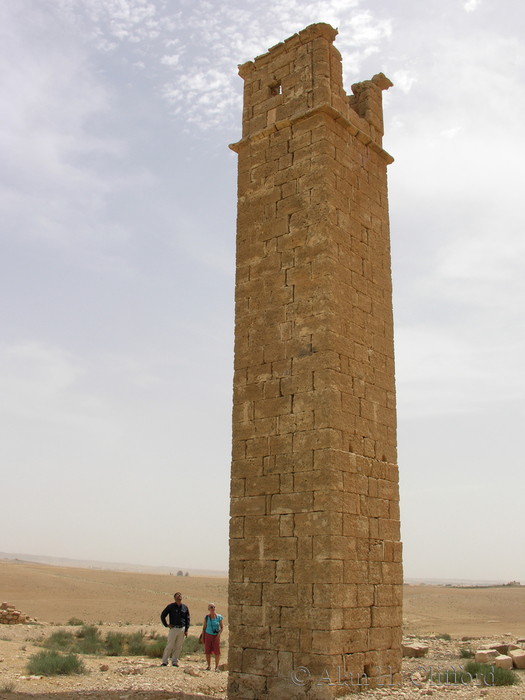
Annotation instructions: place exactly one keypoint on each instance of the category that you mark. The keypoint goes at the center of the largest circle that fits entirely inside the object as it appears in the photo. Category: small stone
(192, 672)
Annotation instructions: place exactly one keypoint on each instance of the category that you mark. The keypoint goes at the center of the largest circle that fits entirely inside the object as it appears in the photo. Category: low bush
(114, 644)
(479, 674)
(491, 675)
(59, 640)
(466, 653)
(190, 645)
(75, 622)
(88, 640)
(136, 644)
(7, 687)
(155, 648)
(53, 663)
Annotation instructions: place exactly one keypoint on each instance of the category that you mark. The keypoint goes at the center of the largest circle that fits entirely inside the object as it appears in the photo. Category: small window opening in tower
(276, 88)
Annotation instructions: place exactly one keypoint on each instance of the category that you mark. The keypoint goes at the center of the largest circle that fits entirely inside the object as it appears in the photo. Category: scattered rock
(104, 667)
(192, 671)
(223, 667)
(501, 648)
(415, 650)
(129, 670)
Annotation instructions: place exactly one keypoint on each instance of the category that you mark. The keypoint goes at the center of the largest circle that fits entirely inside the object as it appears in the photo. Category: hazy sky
(117, 225)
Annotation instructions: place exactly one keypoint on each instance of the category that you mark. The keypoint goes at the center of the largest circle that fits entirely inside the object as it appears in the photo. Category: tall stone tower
(315, 554)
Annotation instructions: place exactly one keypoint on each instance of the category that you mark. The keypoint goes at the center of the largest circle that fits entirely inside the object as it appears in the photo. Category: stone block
(486, 656)
(503, 661)
(245, 593)
(518, 657)
(415, 650)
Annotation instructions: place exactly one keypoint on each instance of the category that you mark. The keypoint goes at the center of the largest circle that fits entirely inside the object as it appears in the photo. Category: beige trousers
(174, 645)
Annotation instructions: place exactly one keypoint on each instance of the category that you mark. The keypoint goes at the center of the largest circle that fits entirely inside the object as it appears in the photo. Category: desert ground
(131, 601)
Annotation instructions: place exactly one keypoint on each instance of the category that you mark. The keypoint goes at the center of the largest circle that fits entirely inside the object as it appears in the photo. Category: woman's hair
(211, 605)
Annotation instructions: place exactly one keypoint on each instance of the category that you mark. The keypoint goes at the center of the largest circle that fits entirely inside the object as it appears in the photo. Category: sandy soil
(55, 594)
(129, 601)
(460, 612)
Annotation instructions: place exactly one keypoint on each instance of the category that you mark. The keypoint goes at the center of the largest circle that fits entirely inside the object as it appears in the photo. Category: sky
(117, 235)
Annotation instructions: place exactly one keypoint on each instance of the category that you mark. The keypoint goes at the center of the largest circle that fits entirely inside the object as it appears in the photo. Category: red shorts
(212, 644)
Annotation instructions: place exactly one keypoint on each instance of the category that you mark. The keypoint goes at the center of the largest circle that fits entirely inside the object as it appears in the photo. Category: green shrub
(136, 644)
(446, 637)
(114, 644)
(155, 649)
(466, 653)
(59, 640)
(479, 674)
(88, 640)
(7, 687)
(75, 622)
(52, 663)
(190, 645)
(492, 675)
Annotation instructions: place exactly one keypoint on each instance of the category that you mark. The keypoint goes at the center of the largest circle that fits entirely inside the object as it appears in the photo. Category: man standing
(179, 622)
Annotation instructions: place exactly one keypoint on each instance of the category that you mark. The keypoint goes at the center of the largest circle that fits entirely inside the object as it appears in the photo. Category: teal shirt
(213, 626)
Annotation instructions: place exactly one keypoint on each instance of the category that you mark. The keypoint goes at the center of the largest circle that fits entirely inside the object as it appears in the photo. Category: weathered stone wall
(315, 556)
(9, 615)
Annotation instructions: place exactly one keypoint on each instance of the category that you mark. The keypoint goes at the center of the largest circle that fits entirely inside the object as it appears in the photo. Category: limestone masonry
(9, 615)
(315, 552)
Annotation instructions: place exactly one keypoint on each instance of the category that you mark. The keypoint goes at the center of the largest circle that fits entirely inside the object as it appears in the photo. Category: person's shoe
(175, 663)
(208, 668)
(216, 670)
(164, 663)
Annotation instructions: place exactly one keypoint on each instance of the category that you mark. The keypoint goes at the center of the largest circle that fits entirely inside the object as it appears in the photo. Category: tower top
(303, 75)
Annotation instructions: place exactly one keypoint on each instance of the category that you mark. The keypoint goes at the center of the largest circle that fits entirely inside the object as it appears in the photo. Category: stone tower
(315, 552)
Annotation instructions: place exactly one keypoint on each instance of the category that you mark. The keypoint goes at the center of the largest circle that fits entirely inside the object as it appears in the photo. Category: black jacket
(179, 615)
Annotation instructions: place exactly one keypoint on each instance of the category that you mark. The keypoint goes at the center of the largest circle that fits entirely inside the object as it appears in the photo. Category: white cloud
(471, 5)
(205, 86)
(170, 60)
(450, 133)
(404, 80)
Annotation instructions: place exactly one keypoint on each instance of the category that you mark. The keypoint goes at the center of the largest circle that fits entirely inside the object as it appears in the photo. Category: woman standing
(211, 633)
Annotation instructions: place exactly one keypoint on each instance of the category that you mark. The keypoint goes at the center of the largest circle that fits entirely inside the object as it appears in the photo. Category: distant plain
(56, 594)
